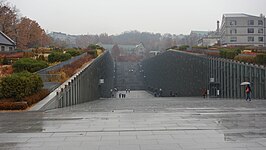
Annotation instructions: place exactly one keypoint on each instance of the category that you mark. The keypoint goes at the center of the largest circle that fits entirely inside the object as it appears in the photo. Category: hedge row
(249, 59)
(58, 57)
(74, 53)
(259, 59)
(20, 85)
(13, 106)
(229, 54)
(9, 104)
(29, 64)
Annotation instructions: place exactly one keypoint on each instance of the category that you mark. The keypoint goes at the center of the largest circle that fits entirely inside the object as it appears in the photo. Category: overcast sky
(117, 16)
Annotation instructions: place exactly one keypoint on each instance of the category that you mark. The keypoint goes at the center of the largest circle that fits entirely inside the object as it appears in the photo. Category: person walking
(160, 92)
(111, 93)
(204, 93)
(248, 92)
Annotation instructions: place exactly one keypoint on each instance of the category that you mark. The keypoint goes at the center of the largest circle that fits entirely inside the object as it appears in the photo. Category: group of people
(121, 95)
(127, 90)
(114, 91)
(247, 91)
(158, 93)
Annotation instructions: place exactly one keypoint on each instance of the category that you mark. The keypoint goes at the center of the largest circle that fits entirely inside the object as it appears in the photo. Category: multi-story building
(243, 29)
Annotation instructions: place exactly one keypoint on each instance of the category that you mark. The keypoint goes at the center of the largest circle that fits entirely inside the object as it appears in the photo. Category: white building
(6, 43)
(209, 41)
(127, 49)
(140, 49)
(195, 36)
(243, 29)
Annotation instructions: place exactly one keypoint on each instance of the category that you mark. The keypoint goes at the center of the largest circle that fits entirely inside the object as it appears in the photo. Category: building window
(250, 39)
(260, 39)
(251, 22)
(10, 48)
(233, 39)
(260, 23)
(233, 31)
(2, 48)
(260, 30)
(250, 30)
(232, 22)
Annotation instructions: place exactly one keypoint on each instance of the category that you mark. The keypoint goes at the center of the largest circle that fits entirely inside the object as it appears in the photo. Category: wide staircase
(129, 75)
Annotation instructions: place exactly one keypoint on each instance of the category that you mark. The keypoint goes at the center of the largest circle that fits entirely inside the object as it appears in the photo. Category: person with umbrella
(247, 90)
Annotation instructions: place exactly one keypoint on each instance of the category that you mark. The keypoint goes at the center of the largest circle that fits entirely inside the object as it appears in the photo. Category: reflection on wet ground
(137, 123)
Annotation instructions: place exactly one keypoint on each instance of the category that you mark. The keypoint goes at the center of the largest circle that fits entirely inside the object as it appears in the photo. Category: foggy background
(116, 16)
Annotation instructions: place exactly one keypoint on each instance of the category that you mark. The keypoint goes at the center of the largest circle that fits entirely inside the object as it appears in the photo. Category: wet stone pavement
(139, 123)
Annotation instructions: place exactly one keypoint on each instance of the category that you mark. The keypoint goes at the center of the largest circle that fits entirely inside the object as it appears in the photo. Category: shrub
(93, 53)
(20, 85)
(249, 59)
(94, 47)
(13, 106)
(229, 53)
(35, 98)
(183, 47)
(1, 95)
(41, 58)
(73, 53)
(29, 64)
(6, 61)
(260, 59)
(58, 57)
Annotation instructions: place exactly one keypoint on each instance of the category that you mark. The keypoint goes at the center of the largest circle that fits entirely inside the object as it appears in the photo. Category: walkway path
(140, 124)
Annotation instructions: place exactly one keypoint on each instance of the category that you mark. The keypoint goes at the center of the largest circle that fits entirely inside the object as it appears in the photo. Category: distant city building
(211, 38)
(154, 53)
(127, 49)
(195, 36)
(140, 49)
(69, 39)
(242, 29)
(6, 43)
